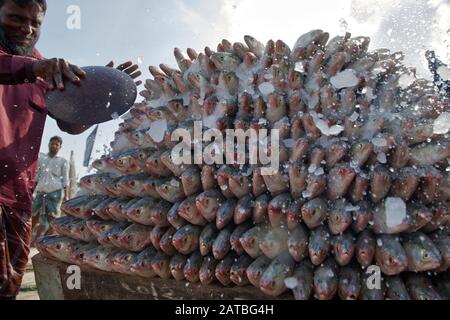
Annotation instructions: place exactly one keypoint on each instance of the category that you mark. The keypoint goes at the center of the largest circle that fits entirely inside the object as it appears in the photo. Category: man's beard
(15, 49)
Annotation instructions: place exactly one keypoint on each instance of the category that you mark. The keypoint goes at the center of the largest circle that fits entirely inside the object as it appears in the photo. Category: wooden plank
(51, 279)
(48, 280)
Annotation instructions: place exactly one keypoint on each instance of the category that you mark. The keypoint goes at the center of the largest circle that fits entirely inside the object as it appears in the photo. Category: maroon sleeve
(16, 69)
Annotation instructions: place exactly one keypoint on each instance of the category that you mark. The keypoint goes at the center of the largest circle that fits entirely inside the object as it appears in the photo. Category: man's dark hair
(56, 138)
(23, 3)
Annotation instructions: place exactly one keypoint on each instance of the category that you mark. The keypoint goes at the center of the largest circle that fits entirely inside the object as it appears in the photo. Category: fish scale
(361, 174)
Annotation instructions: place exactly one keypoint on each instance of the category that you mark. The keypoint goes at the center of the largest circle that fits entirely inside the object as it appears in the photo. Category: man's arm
(16, 69)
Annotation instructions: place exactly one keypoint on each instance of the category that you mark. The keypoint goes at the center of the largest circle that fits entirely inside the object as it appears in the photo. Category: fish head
(345, 171)
(429, 257)
(225, 61)
(366, 252)
(270, 282)
(340, 219)
(344, 249)
(324, 283)
(182, 240)
(125, 164)
(87, 181)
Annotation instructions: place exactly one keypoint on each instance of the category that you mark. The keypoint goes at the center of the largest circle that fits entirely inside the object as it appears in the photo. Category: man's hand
(129, 68)
(53, 71)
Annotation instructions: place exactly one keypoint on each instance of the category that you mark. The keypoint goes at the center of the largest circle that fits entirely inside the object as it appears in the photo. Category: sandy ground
(28, 291)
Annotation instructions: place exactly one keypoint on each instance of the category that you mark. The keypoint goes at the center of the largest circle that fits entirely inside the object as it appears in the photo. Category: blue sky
(148, 30)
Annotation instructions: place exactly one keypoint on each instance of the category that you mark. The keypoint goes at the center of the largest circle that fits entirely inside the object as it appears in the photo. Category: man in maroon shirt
(25, 76)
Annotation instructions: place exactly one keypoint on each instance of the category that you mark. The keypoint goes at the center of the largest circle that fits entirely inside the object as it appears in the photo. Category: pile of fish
(362, 185)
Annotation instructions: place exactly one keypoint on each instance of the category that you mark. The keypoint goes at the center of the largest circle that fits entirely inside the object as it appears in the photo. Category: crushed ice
(395, 210)
(344, 79)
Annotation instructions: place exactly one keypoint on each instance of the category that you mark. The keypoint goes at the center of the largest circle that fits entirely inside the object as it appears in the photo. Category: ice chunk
(381, 157)
(266, 88)
(306, 194)
(344, 79)
(354, 117)
(444, 73)
(351, 208)
(335, 130)
(291, 283)
(158, 130)
(369, 94)
(406, 80)
(395, 210)
(380, 242)
(319, 172)
(442, 123)
(379, 142)
(312, 168)
(289, 143)
(299, 67)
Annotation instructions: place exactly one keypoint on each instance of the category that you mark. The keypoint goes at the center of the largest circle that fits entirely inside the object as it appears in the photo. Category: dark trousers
(15, 238)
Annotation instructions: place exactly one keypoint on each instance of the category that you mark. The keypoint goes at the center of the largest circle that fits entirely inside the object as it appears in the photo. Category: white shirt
(52, 173)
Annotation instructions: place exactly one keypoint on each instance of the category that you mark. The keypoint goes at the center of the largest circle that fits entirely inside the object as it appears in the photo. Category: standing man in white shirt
(51, 189)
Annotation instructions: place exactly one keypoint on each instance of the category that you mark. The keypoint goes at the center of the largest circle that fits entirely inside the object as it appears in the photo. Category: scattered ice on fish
(266, 88)
(108, 105)
(319, 172)
(299, 67)
(224, 187)
(140, 59)
(381, 157)
(312, 168)
(289, 143)
(262, 121)
(406, 80)
(291, 283)
(211, 120)
(379, 142)
(344, 79)
(444, 73)
(335, 130)
(379, 242)
(354, 117)
(175, 183)
(322, 125)
(306, 194)
(351, 208)
(395, 210)
(442, 124)
(115, 116)
(158, 130)
(369, 93)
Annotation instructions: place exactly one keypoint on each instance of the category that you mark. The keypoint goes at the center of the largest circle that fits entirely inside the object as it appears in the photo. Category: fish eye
(58, 246)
